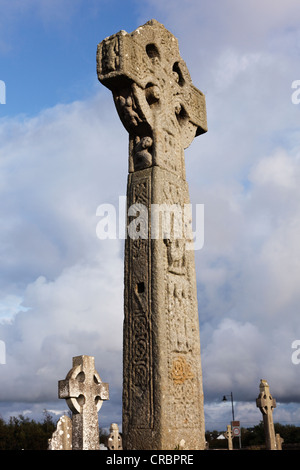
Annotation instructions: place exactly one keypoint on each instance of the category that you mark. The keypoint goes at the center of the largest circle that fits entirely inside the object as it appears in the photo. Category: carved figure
(142, 156)
(128, 110)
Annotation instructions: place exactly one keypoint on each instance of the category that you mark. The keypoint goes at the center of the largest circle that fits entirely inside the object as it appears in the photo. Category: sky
(64, 152)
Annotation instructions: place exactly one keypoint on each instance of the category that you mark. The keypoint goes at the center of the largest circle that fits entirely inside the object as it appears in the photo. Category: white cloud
(231, 65)
(237, 354)
(279, 170)
(53, 179)
(230, 359)
(62, 287)
(9, 307)
(224, 22)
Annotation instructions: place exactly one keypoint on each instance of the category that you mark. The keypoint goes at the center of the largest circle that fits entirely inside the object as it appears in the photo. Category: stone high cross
(266, 403)
(162, 112)
(84, 392)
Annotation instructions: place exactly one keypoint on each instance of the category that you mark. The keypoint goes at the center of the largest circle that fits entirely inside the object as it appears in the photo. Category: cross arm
(103, 391)
(69, 388)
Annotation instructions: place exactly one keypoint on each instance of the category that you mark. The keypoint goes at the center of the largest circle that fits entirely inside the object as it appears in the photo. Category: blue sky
(63, 152)
(48, 51)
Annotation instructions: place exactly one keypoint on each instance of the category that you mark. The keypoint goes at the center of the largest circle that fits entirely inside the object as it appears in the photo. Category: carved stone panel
(138, 386)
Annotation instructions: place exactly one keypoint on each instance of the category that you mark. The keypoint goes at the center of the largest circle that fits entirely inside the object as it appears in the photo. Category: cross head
(265, 402)
(153, 92)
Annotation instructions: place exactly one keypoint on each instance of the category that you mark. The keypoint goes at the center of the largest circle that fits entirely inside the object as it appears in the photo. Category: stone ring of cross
(76, 403)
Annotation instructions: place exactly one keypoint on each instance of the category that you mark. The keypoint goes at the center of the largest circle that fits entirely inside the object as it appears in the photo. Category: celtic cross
(266, 403)
(162, 112)
(84, 392)
(228, 435)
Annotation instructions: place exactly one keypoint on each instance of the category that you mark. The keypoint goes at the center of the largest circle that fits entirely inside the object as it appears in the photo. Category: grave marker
(84, 392)
(229, 435)
(114, 440)
(62, 436)
(266, 403)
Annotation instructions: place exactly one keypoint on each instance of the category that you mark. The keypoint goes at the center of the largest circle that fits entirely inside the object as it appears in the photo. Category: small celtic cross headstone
(228, 435)
(266, 403)
(84, 392)
(114, 440)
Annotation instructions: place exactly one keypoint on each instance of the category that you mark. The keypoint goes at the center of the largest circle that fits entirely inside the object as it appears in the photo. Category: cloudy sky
(63, 152)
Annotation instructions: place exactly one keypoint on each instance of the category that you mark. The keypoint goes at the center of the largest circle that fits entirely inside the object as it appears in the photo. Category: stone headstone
(163, 112)
(279, 441)
(84, 392)
(62, 436)
(266, 403)
(114, 440)
(228, 435)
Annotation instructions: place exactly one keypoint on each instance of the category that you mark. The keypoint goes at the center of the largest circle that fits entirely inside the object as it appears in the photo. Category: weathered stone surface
(84, 392)
(162, 112)
(62, 436)
(114, 440)
(266, 403)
